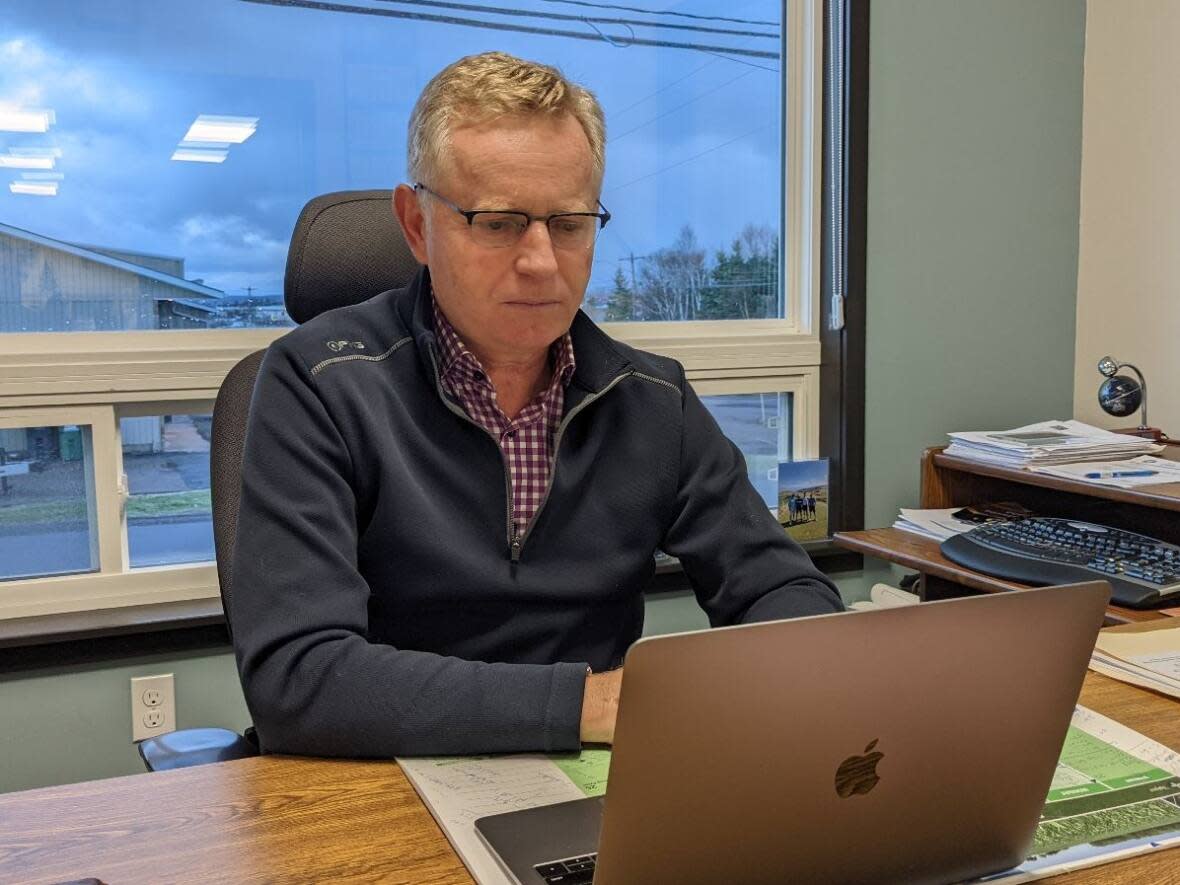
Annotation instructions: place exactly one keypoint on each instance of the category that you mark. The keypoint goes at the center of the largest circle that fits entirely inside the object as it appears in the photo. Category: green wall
(974, 170)
(975, 141)
(62, 724)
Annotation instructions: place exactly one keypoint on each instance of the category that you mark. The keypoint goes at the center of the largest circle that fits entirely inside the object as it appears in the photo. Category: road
(56, 550)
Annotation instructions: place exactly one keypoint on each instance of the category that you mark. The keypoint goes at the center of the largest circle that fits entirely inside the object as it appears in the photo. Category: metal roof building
(48, 285)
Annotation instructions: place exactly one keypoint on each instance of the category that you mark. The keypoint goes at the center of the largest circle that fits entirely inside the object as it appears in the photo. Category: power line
(664, 88)
(499, 10)
(693, 157)
(323, 6)
(714, 18)
(740, 62)
(678, 107)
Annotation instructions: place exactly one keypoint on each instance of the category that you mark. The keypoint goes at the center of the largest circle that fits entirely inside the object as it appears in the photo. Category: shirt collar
(455, 354)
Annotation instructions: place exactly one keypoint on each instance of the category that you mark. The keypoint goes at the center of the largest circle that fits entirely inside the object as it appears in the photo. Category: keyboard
(572, 871)
(1142, 571)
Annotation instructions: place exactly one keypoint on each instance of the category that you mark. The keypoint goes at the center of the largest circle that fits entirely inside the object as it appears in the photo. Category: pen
(1116, 474)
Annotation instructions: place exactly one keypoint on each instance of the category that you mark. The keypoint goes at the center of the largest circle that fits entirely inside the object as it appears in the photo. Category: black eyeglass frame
(603, 216)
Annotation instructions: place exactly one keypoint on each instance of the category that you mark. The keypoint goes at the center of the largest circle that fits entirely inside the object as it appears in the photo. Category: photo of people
(803, 499)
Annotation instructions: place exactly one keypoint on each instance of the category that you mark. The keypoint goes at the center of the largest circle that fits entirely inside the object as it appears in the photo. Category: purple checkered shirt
(527, 441)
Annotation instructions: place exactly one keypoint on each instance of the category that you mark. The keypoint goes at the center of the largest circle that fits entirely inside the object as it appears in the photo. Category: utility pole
(632, 258)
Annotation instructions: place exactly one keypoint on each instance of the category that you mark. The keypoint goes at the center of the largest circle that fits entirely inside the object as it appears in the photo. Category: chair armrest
(194, 746)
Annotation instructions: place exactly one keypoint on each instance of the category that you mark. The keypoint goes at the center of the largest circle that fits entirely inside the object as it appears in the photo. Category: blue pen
(1117, 474)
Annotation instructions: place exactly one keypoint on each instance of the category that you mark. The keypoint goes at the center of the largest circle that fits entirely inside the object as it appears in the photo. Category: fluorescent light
(204, 145)
(225, 130)
(11, 162)
(42, 176)
(35, 188)
(25, 119)
(194, 155)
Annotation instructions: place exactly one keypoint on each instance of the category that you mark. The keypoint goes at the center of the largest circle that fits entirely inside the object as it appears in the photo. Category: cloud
(230, 234)
(28, 68)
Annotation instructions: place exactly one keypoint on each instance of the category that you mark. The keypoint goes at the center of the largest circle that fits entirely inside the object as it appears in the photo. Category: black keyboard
(571, 871)
(1142, 571)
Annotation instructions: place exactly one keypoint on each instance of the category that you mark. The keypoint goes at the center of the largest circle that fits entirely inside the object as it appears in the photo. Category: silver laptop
(912, 744)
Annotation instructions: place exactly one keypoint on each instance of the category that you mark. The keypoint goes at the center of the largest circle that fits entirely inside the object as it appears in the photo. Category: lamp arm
(1143, 387)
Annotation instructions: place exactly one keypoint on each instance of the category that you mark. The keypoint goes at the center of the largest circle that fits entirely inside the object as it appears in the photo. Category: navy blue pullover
(379, 605)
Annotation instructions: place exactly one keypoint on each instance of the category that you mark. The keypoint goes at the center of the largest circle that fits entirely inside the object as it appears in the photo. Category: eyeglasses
(495, 228)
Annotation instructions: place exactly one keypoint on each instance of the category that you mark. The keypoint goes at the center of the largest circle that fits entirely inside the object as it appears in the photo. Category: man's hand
(600, 706)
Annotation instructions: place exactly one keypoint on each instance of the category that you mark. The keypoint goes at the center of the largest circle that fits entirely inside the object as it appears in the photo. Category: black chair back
(346, 248)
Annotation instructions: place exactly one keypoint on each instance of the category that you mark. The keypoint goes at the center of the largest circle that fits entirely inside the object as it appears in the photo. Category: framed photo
(803, 499)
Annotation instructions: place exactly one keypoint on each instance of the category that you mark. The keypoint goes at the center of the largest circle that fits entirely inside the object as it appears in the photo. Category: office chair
(346, 248)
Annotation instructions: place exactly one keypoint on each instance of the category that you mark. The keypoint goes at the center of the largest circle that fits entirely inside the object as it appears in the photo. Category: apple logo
(858, 774)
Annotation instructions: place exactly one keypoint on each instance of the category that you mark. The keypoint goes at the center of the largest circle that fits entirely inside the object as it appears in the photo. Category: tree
(620, 306)
(744, 281)
(672, 281)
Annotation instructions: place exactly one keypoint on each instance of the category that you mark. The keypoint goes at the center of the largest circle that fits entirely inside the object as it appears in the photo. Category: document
(937, 525)
(1049, 442)
(1114, 795)
(1132, 473)
(460, 789)
(1146, 654)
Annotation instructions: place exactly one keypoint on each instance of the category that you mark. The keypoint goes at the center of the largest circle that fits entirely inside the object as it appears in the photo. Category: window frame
(105, 375)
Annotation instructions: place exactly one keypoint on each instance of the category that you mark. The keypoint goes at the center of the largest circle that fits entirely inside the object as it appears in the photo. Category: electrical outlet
(153, 706)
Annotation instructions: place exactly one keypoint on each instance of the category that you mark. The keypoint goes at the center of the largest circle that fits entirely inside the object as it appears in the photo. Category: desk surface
(924, 554)
(281, 819)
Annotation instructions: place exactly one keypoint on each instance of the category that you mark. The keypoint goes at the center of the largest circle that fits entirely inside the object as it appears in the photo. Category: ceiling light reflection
(14, 119)
(34, 188)
(193, 155)
(11, 162)
(219, 129)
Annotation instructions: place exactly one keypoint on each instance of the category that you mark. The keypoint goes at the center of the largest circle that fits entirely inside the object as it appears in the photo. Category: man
(442, 535)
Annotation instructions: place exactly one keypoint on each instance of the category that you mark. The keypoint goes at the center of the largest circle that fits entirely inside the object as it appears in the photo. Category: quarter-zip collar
(599, 361)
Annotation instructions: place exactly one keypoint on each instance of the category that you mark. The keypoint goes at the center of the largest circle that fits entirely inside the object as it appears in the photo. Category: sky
(693, 134)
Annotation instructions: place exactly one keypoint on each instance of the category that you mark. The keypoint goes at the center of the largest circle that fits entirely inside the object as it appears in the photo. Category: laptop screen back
(910, 744)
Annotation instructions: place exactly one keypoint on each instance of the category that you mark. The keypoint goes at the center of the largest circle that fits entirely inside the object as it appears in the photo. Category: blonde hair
(482, 87)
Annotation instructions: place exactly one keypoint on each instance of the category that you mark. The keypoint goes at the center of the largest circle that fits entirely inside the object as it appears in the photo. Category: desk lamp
(1121, 395)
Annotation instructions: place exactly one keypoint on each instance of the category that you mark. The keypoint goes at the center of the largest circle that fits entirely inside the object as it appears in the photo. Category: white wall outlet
(153, 706)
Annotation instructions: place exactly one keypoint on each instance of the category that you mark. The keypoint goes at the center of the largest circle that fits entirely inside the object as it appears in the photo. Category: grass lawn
(191, 503)
(812, 531)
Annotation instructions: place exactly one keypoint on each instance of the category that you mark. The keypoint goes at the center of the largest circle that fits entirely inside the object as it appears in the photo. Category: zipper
(516, 544)
(513, 541)
(516, 541)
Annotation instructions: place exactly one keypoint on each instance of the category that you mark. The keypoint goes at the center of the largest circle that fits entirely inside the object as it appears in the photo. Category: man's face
(509, 303)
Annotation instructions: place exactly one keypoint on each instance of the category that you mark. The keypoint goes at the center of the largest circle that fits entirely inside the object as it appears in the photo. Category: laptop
(911, 744)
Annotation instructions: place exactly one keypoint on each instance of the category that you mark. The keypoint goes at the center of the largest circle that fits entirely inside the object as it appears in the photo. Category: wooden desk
(282, 819)
(955, 482)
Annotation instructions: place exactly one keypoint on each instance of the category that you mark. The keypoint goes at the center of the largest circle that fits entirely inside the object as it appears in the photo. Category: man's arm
(600, 706)
(740, 562)
(313, 682)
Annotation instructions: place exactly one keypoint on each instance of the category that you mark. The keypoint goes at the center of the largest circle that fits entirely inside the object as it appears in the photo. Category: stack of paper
(1146, 654)
(937, 525)
(1049, 442)
(1128, 474)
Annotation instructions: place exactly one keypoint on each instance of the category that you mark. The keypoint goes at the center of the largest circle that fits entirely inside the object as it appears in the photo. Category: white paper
(1165, 471)
(935, 524)
(1048, 442)
(459, 790)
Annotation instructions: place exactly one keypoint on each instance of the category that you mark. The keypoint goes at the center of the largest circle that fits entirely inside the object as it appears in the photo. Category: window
(47, 518)
(156, 157)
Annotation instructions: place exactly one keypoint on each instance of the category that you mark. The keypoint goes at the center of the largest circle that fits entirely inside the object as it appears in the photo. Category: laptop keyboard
(572, 871)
